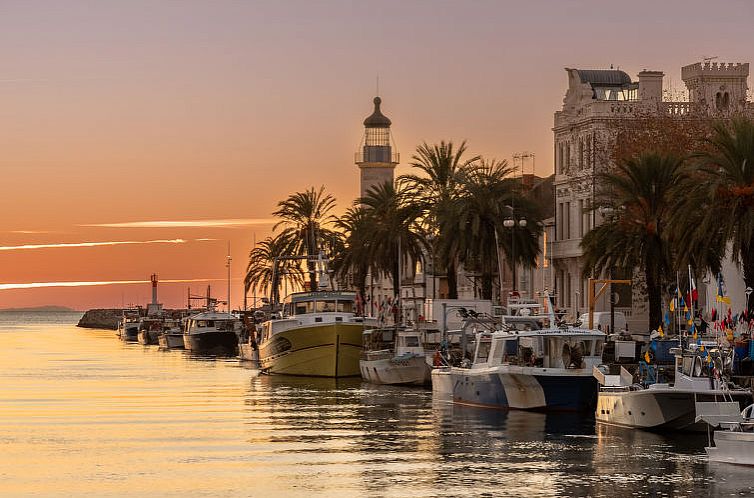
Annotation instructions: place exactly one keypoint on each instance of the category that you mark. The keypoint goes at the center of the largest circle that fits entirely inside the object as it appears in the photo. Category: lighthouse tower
(376, 156)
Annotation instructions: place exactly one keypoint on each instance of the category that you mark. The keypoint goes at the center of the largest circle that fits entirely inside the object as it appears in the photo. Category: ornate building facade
(584, 130)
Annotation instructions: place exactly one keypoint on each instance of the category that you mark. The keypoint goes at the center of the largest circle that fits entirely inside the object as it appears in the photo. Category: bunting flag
(721, 293)
(646, 356)
(672, 305)
(659, 331)
(685, 308)
(667, 319)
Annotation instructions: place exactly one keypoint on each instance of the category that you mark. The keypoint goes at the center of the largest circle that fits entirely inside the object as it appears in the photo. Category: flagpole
(677, 309)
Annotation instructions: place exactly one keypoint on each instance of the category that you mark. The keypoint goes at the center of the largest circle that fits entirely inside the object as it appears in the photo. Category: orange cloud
(36, 285)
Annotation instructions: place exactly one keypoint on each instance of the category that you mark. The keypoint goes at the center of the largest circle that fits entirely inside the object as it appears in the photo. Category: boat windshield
(323, 306)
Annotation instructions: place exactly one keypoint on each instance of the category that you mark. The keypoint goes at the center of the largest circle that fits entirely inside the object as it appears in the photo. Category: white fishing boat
(212, 332)
(150, 328)
(665, 405)
(128, 325)
(734, 442)
(393, 356)
(546, 369)
(171, 335)
(319, 334)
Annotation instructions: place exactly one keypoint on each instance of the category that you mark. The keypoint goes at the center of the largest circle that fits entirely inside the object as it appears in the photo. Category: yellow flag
(646, 357)
(690, 322)
(672, 305)
(695, 335)
(685, 309)
(701, 347)
(659, 331)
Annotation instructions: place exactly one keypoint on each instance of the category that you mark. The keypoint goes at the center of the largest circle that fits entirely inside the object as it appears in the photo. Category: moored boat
(545, 370)
(128, 326)
(668, 405)
(171, 335)
(393, 356)
(212, 332)
(319, 334)
(734, 442)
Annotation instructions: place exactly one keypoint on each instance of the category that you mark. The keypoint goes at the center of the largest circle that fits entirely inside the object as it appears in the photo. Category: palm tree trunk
(452, 281)
(487, 285)
(654, 295)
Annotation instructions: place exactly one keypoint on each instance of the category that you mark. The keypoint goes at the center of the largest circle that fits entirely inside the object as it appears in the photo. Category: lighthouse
(376, 157)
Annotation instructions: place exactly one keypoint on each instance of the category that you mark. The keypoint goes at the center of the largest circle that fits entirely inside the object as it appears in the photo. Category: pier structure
(596, 102)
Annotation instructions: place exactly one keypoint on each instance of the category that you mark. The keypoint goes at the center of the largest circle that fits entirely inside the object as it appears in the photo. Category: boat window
(325, 306)
(412, 341)
(201, 323)
(511, 347)
(598, 347)
(483, 351)
(210, 323)
(303, 308)
(345, 306)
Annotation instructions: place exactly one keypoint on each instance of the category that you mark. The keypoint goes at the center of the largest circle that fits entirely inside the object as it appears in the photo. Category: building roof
(604, 77)
(377, 119)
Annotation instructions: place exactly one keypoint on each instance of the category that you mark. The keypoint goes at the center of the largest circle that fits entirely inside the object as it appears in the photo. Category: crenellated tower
(376, 156)
(717, 88)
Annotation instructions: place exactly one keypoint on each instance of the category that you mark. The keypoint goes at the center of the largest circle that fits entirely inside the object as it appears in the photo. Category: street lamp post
(511, 223)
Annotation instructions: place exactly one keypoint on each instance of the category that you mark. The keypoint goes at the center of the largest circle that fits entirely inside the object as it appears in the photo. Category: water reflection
(81, 412)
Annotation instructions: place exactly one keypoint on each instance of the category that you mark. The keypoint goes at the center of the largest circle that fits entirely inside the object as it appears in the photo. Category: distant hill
(40, 308)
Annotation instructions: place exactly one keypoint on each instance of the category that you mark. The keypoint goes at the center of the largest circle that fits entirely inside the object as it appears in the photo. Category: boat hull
(247, 352)
(219, 342)
(396, 371)
(148, 337)
(327, 350)
(524, 388)
(171, 341)
(442, 382)
(129, 334)
(732, 447)
(660, 410)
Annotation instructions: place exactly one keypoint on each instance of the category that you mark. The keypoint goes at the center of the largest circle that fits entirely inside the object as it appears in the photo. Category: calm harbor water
(82, 413)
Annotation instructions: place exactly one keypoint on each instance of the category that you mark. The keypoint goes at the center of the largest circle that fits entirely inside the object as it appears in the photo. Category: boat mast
(227, 264)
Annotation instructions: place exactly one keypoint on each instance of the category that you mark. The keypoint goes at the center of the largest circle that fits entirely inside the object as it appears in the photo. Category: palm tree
(722, 202)
(638, 199)
(305, 217)
(395, 233)
(436, 191)
(488, 196)
(265, 273)
(354, 258)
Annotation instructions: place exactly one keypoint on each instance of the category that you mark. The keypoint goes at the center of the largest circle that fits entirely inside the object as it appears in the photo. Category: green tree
(355, 258)
(395, 233)
(488, 196)
(305, 218)
(638, 199)
(436, 190)
(266, 274)
(721, 202)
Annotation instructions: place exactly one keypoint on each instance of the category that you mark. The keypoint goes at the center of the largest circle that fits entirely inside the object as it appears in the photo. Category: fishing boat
(666, 404)
(171, 335)
(318, 334)
(150, 328)
(394, 356)
(546, 370)
(128, 325)
(212, 332)
(734, 442)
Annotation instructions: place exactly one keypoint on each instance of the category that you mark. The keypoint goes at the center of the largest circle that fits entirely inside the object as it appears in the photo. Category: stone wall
(101, 319)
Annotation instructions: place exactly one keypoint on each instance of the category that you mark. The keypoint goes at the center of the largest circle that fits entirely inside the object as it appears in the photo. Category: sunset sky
(202, 115)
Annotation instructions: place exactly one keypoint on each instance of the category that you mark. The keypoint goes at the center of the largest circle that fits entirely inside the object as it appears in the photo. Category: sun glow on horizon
(36, 285)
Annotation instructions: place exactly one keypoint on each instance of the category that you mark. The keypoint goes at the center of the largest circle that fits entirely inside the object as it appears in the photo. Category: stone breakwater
(101, 319)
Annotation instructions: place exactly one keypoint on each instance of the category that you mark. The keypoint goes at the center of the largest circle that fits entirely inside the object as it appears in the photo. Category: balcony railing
(378, 157)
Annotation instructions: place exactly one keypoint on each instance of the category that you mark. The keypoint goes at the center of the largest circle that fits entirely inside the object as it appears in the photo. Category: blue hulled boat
(544, 370)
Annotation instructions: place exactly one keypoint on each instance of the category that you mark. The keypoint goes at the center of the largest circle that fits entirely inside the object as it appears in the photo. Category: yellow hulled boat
(319, 335)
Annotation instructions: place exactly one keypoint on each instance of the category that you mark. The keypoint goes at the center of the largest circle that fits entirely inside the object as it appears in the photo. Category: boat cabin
(212, 321)
(409, 341)
(547, 348)
(313, 308)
